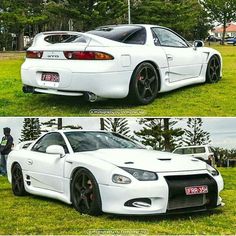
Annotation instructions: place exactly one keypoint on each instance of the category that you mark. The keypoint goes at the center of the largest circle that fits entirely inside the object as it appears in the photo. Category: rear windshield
(122, 34)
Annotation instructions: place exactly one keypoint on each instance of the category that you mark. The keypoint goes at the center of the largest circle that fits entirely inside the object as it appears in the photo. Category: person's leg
(1, 164)
(4, 164)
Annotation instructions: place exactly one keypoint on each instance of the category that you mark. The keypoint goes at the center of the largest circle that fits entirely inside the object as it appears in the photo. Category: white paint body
(177, 67)
(50, 175)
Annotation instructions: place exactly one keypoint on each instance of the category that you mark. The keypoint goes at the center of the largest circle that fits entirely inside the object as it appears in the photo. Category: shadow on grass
(54, 100)
(167, 217)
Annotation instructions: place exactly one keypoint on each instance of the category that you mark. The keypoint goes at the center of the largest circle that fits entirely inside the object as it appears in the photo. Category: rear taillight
(87, 55)
(34, 54)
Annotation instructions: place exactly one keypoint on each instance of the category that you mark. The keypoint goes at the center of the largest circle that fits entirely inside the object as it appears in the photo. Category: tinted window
(199, 150)
(25, 146)
(90, 141)
(178, 151)
(123, 34)
(168, 38)
(48, 140)
(211, 149)
(187, 151)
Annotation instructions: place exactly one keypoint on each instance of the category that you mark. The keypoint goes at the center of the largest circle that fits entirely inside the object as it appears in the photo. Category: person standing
(5, 149)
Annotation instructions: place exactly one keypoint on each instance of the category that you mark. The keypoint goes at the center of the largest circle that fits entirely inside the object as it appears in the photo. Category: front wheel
(85, 194)
(213, 70)
(18, 187)
(144, 84)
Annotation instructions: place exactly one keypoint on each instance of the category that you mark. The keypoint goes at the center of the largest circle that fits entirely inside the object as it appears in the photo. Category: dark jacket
(6, 145)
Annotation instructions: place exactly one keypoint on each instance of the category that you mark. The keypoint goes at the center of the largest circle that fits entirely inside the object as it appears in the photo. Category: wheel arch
(74, 171)
(11, 168)
(155, 66)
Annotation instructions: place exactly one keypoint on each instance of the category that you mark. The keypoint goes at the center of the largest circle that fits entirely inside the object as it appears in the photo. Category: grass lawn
(37, 215)
(198, 100)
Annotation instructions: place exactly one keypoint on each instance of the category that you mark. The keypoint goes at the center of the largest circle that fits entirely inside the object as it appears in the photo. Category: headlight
(141, 175)
(120, 179)
(212, 170)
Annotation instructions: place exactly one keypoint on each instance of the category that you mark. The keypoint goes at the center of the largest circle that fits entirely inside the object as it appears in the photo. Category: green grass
(37, 215)
(198, 100)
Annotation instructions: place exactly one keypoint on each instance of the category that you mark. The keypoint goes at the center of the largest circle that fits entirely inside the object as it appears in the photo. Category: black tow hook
(28, 89)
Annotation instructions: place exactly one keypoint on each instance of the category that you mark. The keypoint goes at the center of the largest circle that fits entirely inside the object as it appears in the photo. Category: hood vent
(164, 159)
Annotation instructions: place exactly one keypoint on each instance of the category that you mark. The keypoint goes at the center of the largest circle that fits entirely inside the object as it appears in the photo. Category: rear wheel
(144, 84)
(213, 70)
(85, 194)
(18, 187)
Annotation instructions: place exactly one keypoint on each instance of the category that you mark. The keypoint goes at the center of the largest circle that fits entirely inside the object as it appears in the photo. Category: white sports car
(138, 61)
(99, 171)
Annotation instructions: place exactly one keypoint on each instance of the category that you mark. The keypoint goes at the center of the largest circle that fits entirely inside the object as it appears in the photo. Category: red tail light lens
(87, 55)
(34, 54)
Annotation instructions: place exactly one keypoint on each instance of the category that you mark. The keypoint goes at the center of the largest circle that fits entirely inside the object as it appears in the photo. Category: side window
(187, 151)
(139, 37)
(48, 140)
(211, 149)
(199, 150)
(178, 151)
(168, 38)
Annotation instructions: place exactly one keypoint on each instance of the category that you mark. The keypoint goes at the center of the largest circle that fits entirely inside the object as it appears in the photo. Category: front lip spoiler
(174, 212)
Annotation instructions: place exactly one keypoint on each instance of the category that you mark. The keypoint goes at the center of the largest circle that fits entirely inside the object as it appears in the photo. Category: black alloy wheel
(213, 70)
(144, 84)
(18, 187)
(85, 194)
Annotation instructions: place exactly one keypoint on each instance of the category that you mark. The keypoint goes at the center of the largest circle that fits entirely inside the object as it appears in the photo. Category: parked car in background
(212, 38)
(231, 40)
(203, 152)
(23, 145)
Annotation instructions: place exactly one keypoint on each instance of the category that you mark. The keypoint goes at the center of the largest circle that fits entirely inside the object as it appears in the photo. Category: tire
(85, 195)
(213, 70)
(18, 187)
(144, 84)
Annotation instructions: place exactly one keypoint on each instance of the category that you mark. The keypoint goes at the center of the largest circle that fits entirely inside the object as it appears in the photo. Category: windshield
(91, 141)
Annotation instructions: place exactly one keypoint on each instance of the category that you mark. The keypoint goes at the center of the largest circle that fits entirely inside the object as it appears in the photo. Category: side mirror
(148, 147)
(56, 150)
(198, 44)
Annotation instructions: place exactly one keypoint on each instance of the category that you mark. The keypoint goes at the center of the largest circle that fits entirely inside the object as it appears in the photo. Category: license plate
(193, 190)
(50, 77)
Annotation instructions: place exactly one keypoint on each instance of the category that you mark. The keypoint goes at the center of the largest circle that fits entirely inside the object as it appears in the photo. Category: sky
(222, 130)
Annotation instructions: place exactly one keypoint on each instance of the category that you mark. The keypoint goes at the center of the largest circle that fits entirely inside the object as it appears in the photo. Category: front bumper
(115, 197)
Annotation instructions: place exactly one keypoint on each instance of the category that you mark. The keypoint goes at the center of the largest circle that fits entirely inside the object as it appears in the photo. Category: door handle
(170, 57)
(29, 162)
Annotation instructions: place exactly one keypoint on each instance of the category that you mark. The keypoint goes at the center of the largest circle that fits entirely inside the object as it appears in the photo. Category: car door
(184, 61)
(45, 170)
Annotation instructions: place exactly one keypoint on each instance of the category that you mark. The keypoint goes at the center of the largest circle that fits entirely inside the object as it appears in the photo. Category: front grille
(178, 198)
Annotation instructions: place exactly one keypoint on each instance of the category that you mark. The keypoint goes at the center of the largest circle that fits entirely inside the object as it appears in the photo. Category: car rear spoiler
(91, 40)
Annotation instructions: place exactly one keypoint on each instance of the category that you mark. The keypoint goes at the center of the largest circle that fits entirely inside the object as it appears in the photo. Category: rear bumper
(101, 82)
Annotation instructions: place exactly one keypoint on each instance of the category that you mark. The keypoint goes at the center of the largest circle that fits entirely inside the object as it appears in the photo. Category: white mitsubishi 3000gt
(99, 171)
(134, 61)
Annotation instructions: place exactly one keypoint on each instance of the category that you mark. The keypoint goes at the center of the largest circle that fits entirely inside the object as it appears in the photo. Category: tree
(58, 124)
(160, 133)
(89, 14)
(194, 134)
(17, 15)
(118, 125)
(31, 129)
(220, 11)
(181, 16)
